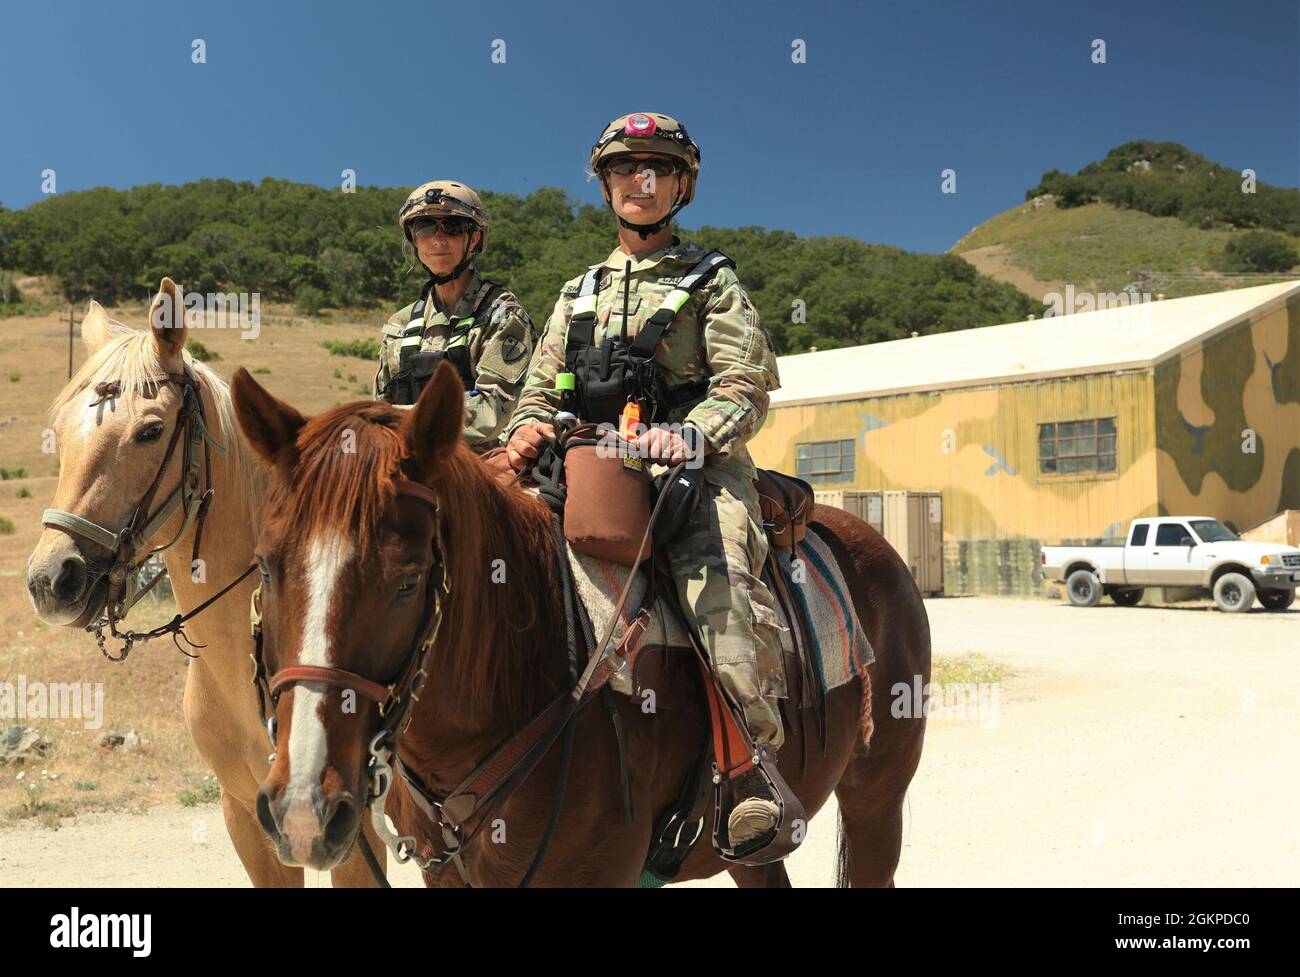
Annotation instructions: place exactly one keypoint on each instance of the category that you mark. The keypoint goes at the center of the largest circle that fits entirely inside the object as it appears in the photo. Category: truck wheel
(1084, 588)
(1126, 598)
(1234, 593)
(1276, 600)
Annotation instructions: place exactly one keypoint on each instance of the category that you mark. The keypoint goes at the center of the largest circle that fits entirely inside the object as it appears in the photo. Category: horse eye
(150, 434)
(409, 586)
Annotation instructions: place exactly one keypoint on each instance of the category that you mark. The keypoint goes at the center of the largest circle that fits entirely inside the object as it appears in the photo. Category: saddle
(785, 503)
(613, 520)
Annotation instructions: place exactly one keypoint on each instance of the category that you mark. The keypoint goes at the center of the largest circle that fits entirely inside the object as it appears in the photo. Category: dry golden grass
(143, 693)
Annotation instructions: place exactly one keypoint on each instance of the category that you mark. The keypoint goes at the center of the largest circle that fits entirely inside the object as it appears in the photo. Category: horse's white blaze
(90, 416)
(327, 555)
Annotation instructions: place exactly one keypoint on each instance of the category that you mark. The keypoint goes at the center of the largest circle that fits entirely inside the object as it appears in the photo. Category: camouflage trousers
(717, 561)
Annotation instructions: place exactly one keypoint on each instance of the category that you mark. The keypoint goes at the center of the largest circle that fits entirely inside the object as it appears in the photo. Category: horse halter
(124, 590)
(395, 697)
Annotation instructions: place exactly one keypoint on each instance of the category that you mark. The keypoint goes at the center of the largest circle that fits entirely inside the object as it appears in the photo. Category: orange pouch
(606, 505)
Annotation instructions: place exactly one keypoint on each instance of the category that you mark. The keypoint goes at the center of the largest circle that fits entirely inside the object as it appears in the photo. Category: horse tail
(843, 868)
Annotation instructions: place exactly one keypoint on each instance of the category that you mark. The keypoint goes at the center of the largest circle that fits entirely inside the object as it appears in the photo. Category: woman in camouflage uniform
(475, 324)
(716, 367)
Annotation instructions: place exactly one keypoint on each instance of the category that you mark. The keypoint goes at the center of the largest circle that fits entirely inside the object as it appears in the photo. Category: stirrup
(772, 846)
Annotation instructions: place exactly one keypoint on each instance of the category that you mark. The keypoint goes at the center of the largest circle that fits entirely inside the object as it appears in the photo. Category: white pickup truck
(1183, 551)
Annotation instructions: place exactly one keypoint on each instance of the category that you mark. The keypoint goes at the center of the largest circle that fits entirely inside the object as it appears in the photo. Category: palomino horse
(114, 423)
(350, 546)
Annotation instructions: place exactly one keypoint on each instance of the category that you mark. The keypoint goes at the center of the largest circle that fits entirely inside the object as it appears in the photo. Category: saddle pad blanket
(813, 579)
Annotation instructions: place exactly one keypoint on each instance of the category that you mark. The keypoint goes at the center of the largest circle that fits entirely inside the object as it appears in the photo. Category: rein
(394, 698)
(123, 545)
(494, 780)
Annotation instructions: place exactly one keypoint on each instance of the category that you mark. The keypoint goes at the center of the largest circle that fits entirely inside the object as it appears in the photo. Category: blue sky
(851, 142)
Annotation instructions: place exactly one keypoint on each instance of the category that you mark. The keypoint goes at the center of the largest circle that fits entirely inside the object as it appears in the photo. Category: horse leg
(254, 850)
(871, 822)
(771, 876)
(355, 873)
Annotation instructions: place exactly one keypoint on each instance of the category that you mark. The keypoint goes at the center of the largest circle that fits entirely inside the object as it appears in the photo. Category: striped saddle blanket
(813, 580)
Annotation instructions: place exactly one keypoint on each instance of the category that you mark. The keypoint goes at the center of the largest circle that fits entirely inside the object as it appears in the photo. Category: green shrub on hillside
(200, 352)
(366, 349)
(1165, 179)
(1259, 251)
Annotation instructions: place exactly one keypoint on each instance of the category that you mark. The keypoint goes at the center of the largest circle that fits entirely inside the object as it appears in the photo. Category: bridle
(394, 698)
(500, 774)
(124, 590)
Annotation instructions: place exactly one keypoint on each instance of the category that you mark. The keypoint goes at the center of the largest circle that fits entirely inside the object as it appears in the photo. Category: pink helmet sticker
(640, 125)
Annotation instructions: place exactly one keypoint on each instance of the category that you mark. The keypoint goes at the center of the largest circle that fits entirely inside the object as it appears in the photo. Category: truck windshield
(1212, 531)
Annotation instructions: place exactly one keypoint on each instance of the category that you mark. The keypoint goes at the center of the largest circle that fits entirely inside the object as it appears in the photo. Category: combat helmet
(446, 198)
(648, 132)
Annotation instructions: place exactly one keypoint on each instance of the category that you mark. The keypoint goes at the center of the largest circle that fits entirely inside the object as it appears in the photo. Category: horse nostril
(71, 580)
(267, 813)
(340, 821)
(38, 584)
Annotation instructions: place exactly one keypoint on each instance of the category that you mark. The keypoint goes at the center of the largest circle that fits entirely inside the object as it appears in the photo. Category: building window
(1069, 447)
(825, 461)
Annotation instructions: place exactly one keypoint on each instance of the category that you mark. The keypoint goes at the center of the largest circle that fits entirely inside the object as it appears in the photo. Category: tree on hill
(319, 247)
(1165, 179)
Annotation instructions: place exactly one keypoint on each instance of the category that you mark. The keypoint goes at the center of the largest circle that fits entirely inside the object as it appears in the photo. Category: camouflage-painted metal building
(1059, 429)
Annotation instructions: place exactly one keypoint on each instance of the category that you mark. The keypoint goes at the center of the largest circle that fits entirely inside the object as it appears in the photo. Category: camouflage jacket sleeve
(390, 344)
(742, 362)
(506, 346)
(540, 400)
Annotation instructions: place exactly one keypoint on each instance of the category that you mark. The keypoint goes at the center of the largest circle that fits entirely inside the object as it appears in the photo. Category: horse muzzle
(65, 589)
(312, 831)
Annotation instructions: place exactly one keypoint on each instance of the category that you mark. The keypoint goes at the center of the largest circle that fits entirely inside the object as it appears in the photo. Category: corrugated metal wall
(979, 448)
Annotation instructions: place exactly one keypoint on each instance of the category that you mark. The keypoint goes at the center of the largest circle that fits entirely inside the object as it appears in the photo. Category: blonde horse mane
(131, 359)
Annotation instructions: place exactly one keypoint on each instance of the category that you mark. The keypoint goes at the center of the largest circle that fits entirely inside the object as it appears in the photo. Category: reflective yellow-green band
(676, 299)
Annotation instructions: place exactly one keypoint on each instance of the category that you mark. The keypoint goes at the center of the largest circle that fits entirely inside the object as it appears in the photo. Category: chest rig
(416, 365)
(616, 371)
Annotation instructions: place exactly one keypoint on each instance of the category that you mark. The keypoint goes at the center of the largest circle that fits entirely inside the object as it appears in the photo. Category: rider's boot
(755, 813)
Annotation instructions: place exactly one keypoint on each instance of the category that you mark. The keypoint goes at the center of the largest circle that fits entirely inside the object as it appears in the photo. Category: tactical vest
(616, 371)
(416, 366)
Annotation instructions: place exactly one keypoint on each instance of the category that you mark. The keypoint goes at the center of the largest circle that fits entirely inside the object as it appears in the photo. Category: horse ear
(167, 321)
(434, 425)
(95, 328)
(270, 425)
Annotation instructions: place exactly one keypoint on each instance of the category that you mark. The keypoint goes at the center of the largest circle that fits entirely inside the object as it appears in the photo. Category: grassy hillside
(1149, 215)
(1103, 248)
(315, 247)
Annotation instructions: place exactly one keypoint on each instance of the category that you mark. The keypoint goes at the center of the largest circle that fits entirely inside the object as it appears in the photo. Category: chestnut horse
(346, 562)
(113, 423)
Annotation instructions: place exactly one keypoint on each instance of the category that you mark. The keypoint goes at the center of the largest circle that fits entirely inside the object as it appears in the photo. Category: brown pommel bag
(607, 503)
(786, 503)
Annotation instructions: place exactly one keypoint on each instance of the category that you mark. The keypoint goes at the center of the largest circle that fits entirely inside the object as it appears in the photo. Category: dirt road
(1132, 746)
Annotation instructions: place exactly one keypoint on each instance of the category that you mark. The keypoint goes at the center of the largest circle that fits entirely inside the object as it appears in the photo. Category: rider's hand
(527, 443)
(663, 447)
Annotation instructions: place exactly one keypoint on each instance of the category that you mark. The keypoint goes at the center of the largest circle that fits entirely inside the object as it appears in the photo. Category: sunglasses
(629, 165)
(451, 226)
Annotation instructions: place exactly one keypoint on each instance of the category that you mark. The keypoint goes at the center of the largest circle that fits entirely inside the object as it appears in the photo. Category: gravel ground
(1130, 746)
